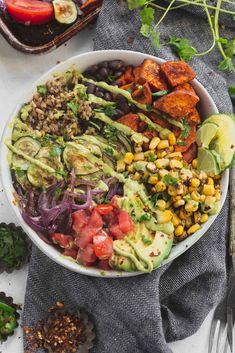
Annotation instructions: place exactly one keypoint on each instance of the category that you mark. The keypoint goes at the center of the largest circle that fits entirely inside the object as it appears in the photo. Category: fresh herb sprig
(183, 48)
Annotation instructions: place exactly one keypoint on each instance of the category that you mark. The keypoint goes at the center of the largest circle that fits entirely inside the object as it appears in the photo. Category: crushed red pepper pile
(62, 332)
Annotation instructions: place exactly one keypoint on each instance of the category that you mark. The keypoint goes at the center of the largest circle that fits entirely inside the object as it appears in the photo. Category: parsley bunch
(14, 248)
(182, 46)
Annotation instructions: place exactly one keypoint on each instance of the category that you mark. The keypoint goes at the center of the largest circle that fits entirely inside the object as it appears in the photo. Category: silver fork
(222, 336)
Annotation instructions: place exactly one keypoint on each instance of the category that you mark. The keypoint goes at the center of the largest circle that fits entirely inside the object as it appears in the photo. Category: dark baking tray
(40, 39)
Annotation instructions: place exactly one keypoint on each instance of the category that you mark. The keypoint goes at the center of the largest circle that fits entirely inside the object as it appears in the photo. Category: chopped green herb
(56, 151)
(186, 129)
(57, 193)
(42, 90)
(125, 174)
(110, 78)
(109, 110)
(160, 196)
(181, 143)
(109, 151)
(155, 37)
(151, 157)
(145, 240)
(160, 93)
(130, 90)
(182, 47)
(74, 107)
(135, 4)
(170, 180)
(61, 173)
(231, 91)
(149, 106)
(147, 15)
(145, 217)
(110, 133)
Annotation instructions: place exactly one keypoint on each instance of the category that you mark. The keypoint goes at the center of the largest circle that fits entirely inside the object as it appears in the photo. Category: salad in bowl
(114, 165)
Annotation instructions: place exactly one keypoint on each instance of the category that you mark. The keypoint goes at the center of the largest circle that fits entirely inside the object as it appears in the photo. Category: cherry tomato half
(103, 246)
(32, 12)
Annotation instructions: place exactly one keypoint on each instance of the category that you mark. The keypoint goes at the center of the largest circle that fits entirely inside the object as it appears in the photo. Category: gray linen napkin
(141, 314)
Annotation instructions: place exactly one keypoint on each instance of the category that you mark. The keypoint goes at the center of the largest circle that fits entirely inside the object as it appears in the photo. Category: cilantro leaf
(231, 91)
(42, 90)
(170, 180)
(230, 48)
(151, 157)
(145, 30)
(145, 240)
(185, 132)
(182, 48)
(109, 151)
(110, 133)
(56, 151)
(226, 64)
(135, 4)
(159, 196)
(147, 15)
(145, 217)
(74, 107)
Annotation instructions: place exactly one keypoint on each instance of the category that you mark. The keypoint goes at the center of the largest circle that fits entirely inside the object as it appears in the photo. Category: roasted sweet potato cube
(177, 72)
(159, 120)
(143, 94)
(136, 73)
(188, 141)
(131, 120)
(90, 5)
(194, 116)
(191, 153)
(177, 104)
(127, 77)
(150, 72)
(185, 87)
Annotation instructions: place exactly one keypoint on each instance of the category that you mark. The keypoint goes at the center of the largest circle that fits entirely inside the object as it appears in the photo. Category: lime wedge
(206, 133)
(207, 161)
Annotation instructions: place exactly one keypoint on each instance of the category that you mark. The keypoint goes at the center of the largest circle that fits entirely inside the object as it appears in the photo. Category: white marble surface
(17, 72)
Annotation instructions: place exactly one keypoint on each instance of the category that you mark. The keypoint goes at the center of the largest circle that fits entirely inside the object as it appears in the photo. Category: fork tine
(222, 337)
(230, 328)
(212, 336)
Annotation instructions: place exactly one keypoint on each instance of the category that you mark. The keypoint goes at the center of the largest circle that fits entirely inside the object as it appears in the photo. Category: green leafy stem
(182, 46)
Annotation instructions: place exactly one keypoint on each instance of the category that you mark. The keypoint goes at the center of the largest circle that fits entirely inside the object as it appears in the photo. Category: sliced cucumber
(27, 145)
(42, 178)
(50, 152)
(65, 11)
(74, 159)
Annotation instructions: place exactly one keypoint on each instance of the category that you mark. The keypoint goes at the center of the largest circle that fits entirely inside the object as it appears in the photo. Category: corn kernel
(160, 186)
(204, 218)
(164, 216)
(180, 189)
(138, 149)
(129, 157)
(130, 168)
(197, 217)
(151, 167)
(162, 163)
(202, 175)
(179, 231)
(161, 204)
(163, 144)
(172, 190)
(171, 139)
(171, 149)
(195, 196)
(183, 214)
(191, 206)
(188, 222)
(179, 203)
(175, 220)
(191, 189)
(202, 198)
(139, 156)
(121, 166)
(154, 143)
(208, 190)
(153, 180)
(194, 182)
(210, 181)
(176, 164)
(185, 174)
(217, 177)
(193, 229)
(176, 155)
(161, 154)
(194, 163)
(136, 176)
(217, 195)
(163, 172)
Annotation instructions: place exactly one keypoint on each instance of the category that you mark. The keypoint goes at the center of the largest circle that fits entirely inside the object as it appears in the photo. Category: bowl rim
(50, 251)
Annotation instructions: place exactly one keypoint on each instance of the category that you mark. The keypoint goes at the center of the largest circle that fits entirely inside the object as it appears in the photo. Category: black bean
(99, 77)
(116, 64)
(119, 113)
(119, 98)
(104, 64)
(118, 74)
(133, 108)
(99, 94)
(108, 96)
(124, 107)
(93, 68)
(99, 89)
(103, 72)
(90, 88)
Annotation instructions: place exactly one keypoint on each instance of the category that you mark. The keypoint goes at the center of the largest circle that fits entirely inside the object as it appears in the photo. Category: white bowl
(83, 61)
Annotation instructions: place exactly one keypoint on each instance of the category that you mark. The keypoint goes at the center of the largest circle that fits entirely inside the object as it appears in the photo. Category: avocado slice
(142, 250)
